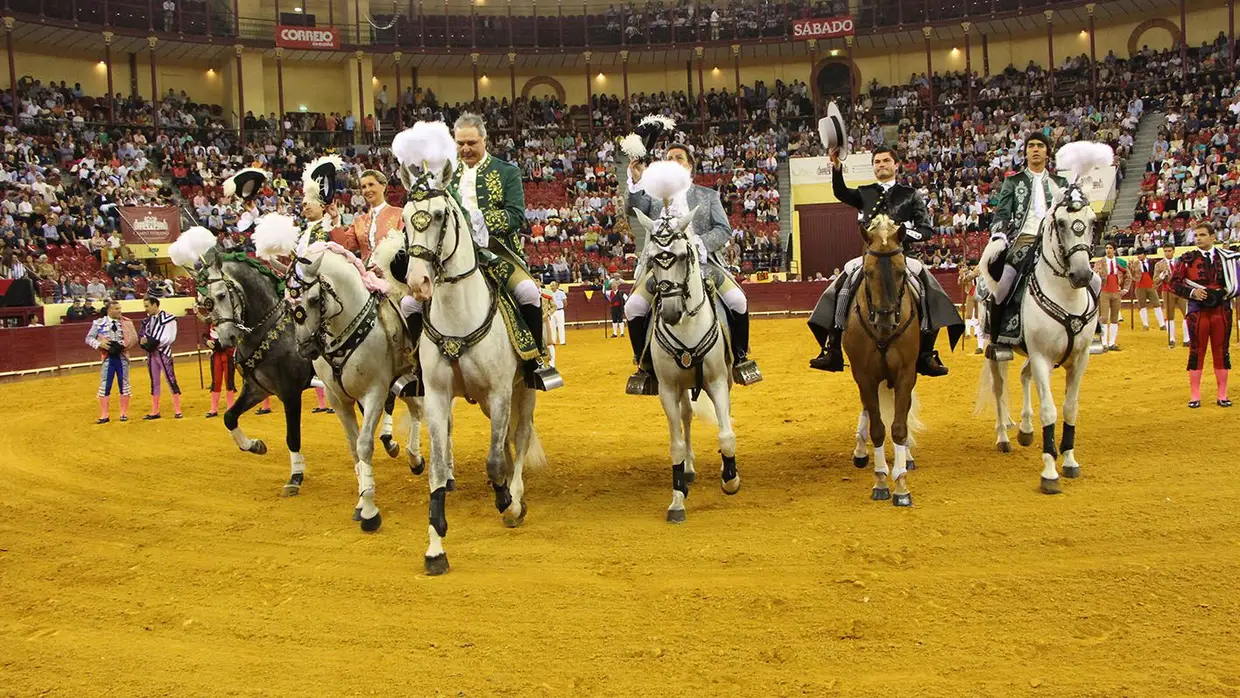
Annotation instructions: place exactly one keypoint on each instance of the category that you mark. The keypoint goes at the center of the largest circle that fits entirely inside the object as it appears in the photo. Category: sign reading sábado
(824, 28)
(152, 225)
(327, 38)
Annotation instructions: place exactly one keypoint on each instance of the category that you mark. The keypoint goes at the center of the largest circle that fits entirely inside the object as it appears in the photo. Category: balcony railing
(439, 29)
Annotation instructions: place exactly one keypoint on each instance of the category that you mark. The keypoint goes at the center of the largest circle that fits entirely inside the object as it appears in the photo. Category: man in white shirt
(560, 299)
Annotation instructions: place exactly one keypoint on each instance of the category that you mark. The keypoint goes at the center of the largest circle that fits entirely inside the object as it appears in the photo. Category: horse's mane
(245, 262)
(332, 250)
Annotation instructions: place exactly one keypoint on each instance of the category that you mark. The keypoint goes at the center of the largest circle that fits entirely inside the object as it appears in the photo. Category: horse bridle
(336, 350)
(893, 311)
(1078, 227)
(1072, 323)
(235, 297)
(421, 222)
(665, 258)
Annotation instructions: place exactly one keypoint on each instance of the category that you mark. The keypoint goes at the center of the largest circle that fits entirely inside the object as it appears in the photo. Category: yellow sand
(156, 559)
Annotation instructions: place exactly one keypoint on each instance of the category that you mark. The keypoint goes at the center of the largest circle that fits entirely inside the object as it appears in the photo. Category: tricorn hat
(833, 131)
(318, 180)
(642, 140)
(246, 184)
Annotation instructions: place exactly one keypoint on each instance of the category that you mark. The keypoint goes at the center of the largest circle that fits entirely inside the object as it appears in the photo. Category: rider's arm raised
(852, 197)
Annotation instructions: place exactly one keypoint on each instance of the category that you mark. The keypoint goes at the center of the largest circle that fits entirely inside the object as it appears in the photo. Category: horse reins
(335, 351)
(686, 357)
(1072, 323)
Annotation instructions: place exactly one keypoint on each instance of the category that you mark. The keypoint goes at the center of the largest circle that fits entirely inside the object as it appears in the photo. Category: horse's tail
(535, 457)
(704, 409)
(887, 410)
(993, 250)
(985, 400)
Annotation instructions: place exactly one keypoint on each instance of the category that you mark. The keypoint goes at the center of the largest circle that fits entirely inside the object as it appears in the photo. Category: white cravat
(468, 188)
(1039, 194)
(374, 222)
(887, 185)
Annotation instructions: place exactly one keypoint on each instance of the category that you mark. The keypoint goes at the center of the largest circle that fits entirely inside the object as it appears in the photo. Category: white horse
(465, 351)
(688, 352)
(346, 325)
(1059, 314)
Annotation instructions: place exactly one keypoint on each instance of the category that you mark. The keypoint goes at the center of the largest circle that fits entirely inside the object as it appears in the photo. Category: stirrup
(999, 352)
(746, 373)
(542, 377)
(642, 383)
(1097, 347)
(410, 381)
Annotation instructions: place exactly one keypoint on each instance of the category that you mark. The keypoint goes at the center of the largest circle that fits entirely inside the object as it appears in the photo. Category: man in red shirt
(1146, 295)
(1206, 276)
(1115, 283)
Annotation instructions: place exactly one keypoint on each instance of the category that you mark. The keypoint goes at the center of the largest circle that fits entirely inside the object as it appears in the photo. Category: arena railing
(457, 26)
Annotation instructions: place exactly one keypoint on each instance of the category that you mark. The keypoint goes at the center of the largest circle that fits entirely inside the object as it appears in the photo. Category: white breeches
(409, 305)
(733, 298)
(527, 293)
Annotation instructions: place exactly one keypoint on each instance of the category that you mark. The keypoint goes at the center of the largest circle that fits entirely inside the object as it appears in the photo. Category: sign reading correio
(327, 38)
(824, 28)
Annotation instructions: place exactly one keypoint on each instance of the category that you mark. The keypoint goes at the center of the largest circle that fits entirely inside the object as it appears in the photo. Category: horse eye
(219, 296)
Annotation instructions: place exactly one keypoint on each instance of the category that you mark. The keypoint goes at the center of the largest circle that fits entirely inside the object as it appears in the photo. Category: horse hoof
(861, 461)
(1072, 471)
(418, 465)
(731, 487)
(437, 565)
(690, 476)
(902, 500)
(1050, 486)
(512, 522)
(675, 515)
(1024, 439)
(357, 514)
(1004, 446)
(911, 465)
(292, 490)
(258, 448)
(450, 485)
(390, 445)
(880, 494)
(372, 524)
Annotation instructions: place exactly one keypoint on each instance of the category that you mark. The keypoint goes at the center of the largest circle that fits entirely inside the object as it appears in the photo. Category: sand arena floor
(155, 559)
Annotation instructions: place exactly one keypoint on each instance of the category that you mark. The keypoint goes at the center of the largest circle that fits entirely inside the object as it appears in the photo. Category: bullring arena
(176, 568)
(143, 557)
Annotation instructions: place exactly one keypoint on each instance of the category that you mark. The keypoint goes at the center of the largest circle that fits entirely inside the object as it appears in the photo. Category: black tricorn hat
(246, 184)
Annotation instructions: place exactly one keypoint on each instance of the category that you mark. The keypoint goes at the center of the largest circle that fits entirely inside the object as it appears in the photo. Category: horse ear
(313, 269)
(683, 222)
(644, 220)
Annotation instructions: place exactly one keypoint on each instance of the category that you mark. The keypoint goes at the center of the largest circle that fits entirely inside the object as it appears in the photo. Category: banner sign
(326, 38)
(155, 225)
(857, 170)
(829, 28)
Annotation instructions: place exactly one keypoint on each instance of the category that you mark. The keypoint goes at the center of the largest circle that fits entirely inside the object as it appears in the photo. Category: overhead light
(302, 108)
(296, 9)
(103, 63)
(955, 51)
(210, 71)
(835, 52)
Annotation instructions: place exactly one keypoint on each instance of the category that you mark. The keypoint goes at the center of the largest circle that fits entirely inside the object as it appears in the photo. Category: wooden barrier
(35, 348)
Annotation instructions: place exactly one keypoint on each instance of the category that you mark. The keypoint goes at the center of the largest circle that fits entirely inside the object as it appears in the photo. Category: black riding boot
(538, 375)
(643, 382)
(928, 363)
(832, 356)
(410, 384)
(744, 370)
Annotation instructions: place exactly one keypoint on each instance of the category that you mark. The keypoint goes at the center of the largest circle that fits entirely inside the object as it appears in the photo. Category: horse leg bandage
(729, 468)
(679, 482)
(1069, 438)
(438, 514)
(1048, 441)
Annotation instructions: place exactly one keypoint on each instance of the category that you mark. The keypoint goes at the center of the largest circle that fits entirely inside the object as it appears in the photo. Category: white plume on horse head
(427, 145)
(1081, 158)
(275, 236)
(191, 246)
(665, 180)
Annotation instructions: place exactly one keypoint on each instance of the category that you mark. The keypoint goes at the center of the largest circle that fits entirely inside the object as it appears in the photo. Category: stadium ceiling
(56, 38)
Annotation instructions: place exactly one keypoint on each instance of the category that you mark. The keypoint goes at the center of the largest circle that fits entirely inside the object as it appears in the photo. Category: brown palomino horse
(881, 341)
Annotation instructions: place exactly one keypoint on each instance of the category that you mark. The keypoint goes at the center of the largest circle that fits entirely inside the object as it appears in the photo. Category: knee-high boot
(744, 370)
(643, 381)
(538, 375)
(928, 362)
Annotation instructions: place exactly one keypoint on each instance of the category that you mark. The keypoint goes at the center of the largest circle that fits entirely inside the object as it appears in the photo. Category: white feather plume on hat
(427, 145)
(230, 184)
(310, 187)
(275, 235)
(1080, 158)
(639, 143)
(666, 180)
(187, 249)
